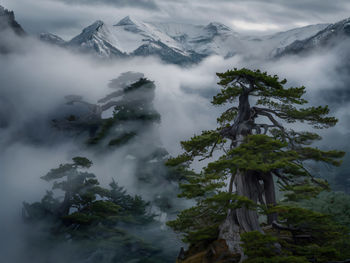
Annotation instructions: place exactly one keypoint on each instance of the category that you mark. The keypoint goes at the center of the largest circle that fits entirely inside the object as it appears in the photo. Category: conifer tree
(131, 128)
(89, 223)
(133, 107)
(257, 148)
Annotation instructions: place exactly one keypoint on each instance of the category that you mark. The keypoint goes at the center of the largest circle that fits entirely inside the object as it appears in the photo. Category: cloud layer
(67, 18)
(146, 4)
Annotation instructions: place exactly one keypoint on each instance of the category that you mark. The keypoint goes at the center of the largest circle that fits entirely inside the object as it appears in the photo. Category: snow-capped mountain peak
(93, 28)
(97, 37)
(131, 25)
(126, 21)
(218, 27)
(89, 32)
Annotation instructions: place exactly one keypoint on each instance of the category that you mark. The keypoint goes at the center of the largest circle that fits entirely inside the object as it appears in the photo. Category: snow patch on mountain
(52, 39)
(98, 38)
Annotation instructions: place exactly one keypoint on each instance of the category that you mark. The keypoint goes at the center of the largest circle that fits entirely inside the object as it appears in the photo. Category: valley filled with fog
(43, 84)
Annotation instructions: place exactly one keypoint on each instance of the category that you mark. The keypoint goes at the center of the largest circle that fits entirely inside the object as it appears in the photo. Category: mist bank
(36, 77)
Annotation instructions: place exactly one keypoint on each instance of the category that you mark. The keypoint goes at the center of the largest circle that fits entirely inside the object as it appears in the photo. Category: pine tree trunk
(241, 220)
(270, 196)
(247, 184)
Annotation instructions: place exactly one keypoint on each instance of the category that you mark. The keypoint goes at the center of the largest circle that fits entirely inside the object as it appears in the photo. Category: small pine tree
(133, 127)
(90, 223)
(135, 104)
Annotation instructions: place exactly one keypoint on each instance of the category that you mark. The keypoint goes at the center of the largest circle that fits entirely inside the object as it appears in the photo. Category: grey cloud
(47, 74)
(147, 4)
(323, 11)
(311, 6)
(67, 18)
(283, 14)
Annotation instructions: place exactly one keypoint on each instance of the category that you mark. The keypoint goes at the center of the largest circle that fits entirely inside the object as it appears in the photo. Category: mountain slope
(330, 36)
(11, 32)
(97, 37)
(129, 38)
(213, 39)
(281, 40)
(52, 39)
(172, 42)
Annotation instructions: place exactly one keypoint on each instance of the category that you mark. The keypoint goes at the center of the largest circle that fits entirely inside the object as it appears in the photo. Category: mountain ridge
(328, 37)
(182, 44)
(176, 43)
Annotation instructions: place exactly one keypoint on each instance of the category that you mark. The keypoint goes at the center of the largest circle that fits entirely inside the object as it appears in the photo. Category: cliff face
(7, 21)
(10, 32)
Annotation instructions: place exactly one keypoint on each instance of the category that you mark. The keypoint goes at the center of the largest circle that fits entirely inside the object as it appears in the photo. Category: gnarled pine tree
(256, 150)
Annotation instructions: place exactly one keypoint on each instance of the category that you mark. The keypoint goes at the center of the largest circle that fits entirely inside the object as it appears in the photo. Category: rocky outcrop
(216, 252)
(7, 21)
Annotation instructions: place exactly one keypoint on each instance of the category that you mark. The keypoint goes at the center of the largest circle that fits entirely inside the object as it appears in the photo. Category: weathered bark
(247, 184)
(270, 196)
(242, 125)
(63, 209)
(230, 231)
(243, 219)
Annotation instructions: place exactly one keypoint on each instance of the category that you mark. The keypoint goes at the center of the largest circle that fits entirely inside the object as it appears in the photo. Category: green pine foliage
(334, 204)
(122, 139)
(133, 128)
(262, 248)
(106, 126)
(311, 235)
(200, 223)
(318, 232)
(133, 209)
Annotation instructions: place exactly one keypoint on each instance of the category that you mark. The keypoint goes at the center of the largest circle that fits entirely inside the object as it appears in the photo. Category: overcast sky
(68, 17)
